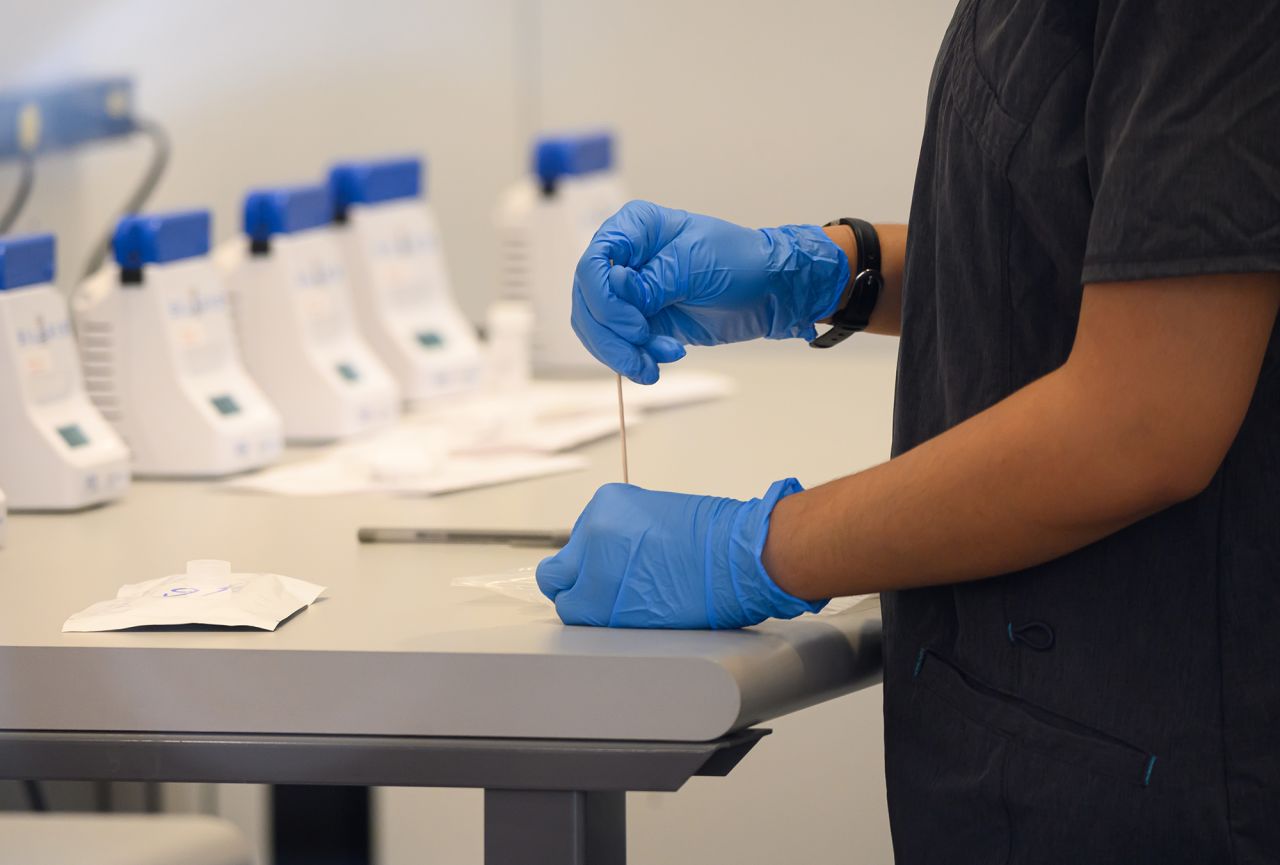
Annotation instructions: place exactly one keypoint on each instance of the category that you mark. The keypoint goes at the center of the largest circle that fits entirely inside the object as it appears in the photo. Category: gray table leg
(537, 827)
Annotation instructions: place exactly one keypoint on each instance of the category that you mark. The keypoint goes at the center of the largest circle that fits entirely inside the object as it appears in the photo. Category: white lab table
(398, 678)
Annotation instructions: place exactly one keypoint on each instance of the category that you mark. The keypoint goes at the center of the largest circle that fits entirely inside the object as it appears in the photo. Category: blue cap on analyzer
(372, 181)
(284, 210)
(557, 156)
(156, 238)
(26, 260)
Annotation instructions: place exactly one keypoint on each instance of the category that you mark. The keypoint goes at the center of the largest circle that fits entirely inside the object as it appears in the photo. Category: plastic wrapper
(521, 584)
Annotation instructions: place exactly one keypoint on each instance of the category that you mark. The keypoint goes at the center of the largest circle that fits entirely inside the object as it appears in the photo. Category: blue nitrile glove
(644, 559)
(654, 280)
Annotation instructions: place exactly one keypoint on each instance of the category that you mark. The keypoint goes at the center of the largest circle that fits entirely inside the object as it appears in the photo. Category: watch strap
(854, 314)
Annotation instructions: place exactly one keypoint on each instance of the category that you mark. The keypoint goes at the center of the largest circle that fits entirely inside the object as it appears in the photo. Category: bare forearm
(887, 316)
(1139, 418)
(970, 503)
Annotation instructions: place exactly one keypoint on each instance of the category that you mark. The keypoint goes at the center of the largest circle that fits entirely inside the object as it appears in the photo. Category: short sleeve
(1183, 137)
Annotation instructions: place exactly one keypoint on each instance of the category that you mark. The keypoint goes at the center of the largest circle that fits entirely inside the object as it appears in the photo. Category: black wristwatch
(860, 299)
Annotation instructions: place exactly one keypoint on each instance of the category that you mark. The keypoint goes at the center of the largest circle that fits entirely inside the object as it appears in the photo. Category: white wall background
(760, 112)
(271, 92)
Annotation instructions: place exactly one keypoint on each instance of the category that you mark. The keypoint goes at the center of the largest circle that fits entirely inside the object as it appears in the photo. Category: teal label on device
(225, 404)
(430, 339)
(73, 435)
(349, 372)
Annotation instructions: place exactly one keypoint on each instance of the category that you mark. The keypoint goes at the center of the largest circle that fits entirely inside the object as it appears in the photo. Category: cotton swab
(622, 429)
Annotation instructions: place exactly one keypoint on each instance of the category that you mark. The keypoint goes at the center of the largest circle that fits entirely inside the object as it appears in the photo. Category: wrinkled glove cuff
(815, 272)
(755, 596)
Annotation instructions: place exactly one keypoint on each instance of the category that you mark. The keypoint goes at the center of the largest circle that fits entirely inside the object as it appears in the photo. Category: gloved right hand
(654, 280)
(645, 559)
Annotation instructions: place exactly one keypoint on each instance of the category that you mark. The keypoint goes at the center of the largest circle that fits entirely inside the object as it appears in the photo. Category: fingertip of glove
(595, 261)
(641, 368)
(572, 613)
(665, 349)
(550, 582)
(645, 376)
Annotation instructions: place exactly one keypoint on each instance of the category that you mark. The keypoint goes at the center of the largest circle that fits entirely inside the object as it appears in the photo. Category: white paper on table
(557, 415)
(396, 452)
(553, 435)
(482, 439)
(469, 472)
(341, 474)
(491, 424)
(254, 600)
(532, 421)
(314, 477)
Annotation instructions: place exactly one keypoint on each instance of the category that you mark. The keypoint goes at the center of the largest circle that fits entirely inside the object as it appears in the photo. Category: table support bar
(540, 827)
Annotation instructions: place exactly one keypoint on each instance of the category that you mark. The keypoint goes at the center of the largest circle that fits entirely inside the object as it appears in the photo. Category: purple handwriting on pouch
(179, 591)
(182, 591)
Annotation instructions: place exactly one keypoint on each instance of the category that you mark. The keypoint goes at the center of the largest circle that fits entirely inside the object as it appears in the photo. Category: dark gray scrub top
(1120, 704)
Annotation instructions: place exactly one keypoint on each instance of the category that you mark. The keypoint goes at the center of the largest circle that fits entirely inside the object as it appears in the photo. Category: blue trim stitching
(1151, 764)
(919, 664)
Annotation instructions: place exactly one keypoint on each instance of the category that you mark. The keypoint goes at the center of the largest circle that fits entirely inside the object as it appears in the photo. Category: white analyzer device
(160, 357)
(57, 453)
(400, 285)
(544, 223)
(291, 302)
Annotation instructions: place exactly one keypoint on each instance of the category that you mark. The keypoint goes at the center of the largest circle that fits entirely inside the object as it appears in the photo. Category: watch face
(862, 300)
(869, 280)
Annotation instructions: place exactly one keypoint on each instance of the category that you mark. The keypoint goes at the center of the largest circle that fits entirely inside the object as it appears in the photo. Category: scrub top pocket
(1036, 729)
(947, 795)
(1066, 775)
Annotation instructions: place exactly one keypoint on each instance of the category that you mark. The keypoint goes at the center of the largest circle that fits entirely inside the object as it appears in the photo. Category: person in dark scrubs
(1077, 540)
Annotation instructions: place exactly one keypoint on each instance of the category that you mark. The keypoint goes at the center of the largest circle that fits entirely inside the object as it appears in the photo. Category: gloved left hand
(654, 280)
(644, 559)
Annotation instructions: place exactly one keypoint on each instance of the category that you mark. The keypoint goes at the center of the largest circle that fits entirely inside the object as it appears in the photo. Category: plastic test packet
(207, 594)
